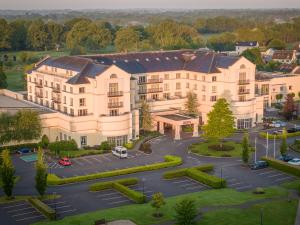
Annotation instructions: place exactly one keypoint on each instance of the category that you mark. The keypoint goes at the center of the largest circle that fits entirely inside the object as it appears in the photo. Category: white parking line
(78, 161)
(180, 181)
(234, 184)
(105, 157)
(15, 210)
(106, 199)
(284, 178)
(15, 215)
(195, 187)
(56, 203)
(66, 211)
(12, 206)
(264, 173)
(188, 184)
(88, 161)
(108, 194)
(244, 187)
(277, 175)
(28, 218)
(117, 202)
(97, 159)
(64, 206)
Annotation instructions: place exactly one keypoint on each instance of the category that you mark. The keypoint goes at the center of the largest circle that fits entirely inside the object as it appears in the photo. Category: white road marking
(108, 194)
(244, 187)
(189, 184)
(180, 181)
(64, 206)
(66, 211)
(264, 173)
(56, 203)
(277, 175)
(78, 161)
(117, 202)
(106, 199)
(12, 206)
(15, 215)
(195, 187)
(28, 218)
(284, 178)
(238, 183)
(15, 210)
(105, 157)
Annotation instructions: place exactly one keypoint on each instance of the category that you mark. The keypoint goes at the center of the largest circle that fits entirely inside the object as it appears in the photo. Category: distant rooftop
(247, 43)
(261, 76)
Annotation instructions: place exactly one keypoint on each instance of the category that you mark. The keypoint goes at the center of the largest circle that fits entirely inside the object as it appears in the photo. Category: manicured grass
(25, 198)
(142, 214)
(273, 213)
(15, 79)
(292, 185)
(202, 149)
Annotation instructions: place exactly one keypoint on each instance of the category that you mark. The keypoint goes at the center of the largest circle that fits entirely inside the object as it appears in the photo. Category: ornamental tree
(41, 174)
(185, 212)
(7, 174)
(191, 105)
(289, 107)
(146, 119)
(279, 97)
(220, 123)
(245, 147)
(157, 202)
(283, 145)
(3, 82)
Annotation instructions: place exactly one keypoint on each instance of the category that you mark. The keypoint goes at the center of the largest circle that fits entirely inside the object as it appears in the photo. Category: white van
(120, 152)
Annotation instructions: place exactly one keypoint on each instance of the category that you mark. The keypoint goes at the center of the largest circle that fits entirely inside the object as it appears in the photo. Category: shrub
(259, 190)
(63, 146)
(278, 136)
(45, 141)
(129, 145)
(283, 166)
(105, 145)
(170, 161)
(43, 208)
(146, 148)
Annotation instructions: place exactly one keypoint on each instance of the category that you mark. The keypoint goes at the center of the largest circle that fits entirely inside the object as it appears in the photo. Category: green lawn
(15, 79)
(273, 213)
(202, 149)
(142, 214)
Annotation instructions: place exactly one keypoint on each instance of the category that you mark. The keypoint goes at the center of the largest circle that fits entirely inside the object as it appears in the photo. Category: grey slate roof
(246, 43)
(142, 62)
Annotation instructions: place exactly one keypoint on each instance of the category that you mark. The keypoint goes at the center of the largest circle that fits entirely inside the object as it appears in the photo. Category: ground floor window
(244, 123)
(83, 140)
(118, 140)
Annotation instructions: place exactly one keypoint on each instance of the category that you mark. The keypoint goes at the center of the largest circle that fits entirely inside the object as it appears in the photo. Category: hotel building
(97, 98)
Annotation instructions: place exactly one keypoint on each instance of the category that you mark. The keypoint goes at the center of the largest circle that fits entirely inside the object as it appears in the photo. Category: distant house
(285, 56)
(241, 46)
(268, 54)
(288, 68)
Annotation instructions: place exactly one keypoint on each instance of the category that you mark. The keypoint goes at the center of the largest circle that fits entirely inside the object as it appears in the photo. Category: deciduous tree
(283, 145)
(245, 147)
(7, 174)
(41, 173)
(157, 202)
(38, 37)
(5, 35)
(3, 81)
(127, 39)
(146, 119)
(191, 104)
(220, 122)
(289, 107)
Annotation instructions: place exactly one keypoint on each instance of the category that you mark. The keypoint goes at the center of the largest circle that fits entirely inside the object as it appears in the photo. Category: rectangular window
(214, 79)
(72, 112)
(71, 101)
(166, 87)
(64, 88)
(114, 112)
(195, 76)
(65, 137)
(46, 83)
(203, 88)
(82, 102)
(167, 76)
(83, 140)
(65, 110)
(52, 84)
(81, 90)
(71, 89)
(178, 75)
(82, 112)
(213, 98)
(290, 87)
(195, 87)
(242, 98)
(214, 89)
(65, 100)
(113, 87)
(187, 85)
(46, 94)
(167, 95)
(187, 76)
(178, 94)
(178, 86)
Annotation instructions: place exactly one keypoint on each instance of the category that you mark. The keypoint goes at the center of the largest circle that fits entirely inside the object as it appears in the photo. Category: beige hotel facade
(97, 98)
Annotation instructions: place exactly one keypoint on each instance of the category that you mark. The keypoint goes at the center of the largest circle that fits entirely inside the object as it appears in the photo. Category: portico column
(195, 130)
(177, 132)
(161, 127)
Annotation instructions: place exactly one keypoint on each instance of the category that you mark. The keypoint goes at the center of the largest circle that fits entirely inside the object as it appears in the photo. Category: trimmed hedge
(43, 208)
(119, 185)
(109, 184)
(278, 136)
(198, 174)
(283, 166)
(170, 161)
(63, 146)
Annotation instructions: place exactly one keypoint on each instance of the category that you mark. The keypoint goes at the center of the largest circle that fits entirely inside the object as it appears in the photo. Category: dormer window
(113, 76)
(242, 66)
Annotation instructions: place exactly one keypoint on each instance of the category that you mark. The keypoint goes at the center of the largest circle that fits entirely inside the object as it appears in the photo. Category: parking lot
(20, 212)
(61, 206)
(111, 198)
(188, 184)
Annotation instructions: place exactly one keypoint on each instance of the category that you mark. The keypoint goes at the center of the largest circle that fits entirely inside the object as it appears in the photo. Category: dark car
(286, 158)
(292, 130)
(259, 165)
(24, 150)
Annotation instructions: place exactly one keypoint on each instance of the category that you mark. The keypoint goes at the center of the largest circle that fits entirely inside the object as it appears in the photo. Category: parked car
(295, 161)
(291, 130)
(65, 162)
(278, 123)
(24, 150)
(120, 152)
(286, 158)
(278, 132)
(259, 165)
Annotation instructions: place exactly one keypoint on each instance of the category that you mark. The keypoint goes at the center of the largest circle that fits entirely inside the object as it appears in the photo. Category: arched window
(113, 76)
(242, 66)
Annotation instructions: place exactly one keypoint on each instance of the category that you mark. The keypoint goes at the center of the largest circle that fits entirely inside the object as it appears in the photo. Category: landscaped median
(170, 161)
(198, 174)
(121, 186)
(278, 136)
(43, 208)
(283, 166)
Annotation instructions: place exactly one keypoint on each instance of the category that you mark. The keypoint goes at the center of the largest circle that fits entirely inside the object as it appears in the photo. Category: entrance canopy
(177, 120)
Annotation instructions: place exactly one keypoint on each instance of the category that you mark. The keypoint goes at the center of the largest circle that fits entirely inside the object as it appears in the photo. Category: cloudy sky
(125, 4)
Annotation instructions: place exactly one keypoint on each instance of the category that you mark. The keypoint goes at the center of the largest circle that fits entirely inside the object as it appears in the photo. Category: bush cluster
(198, 174)
(43, 208)
(283, 166)
(170, 161)
(145, 147)
(278, 136)
(105, 146)
(63, 146)
(120, 185)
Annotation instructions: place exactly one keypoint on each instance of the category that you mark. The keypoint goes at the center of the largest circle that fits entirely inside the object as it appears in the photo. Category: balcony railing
(243, 92)
(151, 90)
(39, 95)
(56, 90)
(151, 81)
(243, 82)
(115, 104)
(56, 100)
(38, 85)
(115, 93)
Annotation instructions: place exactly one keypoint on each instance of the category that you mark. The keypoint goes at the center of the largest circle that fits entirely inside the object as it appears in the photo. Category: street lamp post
(255, 150)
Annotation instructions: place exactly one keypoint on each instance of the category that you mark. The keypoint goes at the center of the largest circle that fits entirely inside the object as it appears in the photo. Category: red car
(65, 162)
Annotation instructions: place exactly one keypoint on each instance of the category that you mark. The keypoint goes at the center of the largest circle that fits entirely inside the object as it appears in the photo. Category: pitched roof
(287, 68)
(247, 43)
(283, 54)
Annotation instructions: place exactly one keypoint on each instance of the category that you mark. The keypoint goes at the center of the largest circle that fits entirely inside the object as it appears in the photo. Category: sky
(127, 4)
